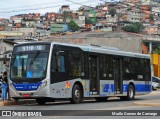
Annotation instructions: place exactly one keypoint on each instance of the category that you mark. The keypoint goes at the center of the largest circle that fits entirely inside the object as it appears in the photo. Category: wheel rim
(130, 92)
(77, 94)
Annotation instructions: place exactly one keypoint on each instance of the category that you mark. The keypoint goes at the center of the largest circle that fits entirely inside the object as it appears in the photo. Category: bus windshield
(29, 65)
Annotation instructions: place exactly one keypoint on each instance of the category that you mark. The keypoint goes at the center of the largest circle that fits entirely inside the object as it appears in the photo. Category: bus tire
(16, 99)
(130, 93)
(76, 94)
(123, 97)
(101, 99)
(41, 101)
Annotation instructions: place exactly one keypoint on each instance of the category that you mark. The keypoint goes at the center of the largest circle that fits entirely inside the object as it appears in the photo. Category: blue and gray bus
(48, 71)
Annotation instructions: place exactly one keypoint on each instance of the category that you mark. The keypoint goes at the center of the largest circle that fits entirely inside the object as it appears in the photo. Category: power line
(46, 7)
(33, 5)
(78, 3)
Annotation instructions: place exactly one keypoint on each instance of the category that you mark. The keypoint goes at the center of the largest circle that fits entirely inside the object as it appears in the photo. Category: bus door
(93, 75)
(59, 66)
(117, 72)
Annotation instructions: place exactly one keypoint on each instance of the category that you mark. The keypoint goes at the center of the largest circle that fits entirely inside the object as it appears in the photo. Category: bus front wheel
(40, 101)
(16, 99)
(76, 94)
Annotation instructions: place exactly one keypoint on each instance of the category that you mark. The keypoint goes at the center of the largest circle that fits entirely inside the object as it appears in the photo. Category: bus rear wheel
(41, 101)
(130, 93)
(76, 94)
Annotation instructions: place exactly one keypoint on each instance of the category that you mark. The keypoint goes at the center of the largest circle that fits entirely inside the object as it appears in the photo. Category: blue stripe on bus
(26, 87)
(142, 87)
(138, 88)
(108, 88)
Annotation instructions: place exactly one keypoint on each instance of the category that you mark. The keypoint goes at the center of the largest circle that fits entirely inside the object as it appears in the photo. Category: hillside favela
(130, 25)
(98, 49)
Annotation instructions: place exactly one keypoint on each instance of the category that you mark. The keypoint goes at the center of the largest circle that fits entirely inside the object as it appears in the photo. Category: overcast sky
(12, 7)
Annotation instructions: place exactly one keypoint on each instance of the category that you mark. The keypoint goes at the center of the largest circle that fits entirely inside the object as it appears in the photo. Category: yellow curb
(8, 103)
(146, 103)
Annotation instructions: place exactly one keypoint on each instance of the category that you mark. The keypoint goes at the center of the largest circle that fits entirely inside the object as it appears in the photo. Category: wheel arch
(131, 83)
(81, 86)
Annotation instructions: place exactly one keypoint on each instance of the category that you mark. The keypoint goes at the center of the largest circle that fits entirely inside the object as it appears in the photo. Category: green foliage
(157, 50)
(135, 28)
(151, 17)
(112, 12)
(73, 26)
(88, 21)
(94, 16)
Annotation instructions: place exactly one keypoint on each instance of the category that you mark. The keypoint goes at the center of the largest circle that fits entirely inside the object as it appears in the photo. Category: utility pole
(118, 17)
(64, 15)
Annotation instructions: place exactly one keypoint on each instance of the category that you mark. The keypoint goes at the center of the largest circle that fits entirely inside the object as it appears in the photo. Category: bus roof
(105, 50)
(94, 48)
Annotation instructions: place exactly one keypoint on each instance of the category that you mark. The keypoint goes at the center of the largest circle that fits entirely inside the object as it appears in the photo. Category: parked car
(155, 83)
(0, 88)
(156, 79)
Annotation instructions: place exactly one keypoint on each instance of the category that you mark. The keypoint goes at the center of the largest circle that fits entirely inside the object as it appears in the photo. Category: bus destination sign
(30, 48)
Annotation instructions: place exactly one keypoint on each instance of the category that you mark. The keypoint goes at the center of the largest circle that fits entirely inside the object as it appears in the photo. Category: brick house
(50, 16)
(151, 29)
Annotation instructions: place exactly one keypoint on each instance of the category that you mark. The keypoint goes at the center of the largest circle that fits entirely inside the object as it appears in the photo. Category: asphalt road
(85, 109)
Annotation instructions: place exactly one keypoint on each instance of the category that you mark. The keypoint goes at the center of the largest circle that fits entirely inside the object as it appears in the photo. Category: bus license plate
(26, 95)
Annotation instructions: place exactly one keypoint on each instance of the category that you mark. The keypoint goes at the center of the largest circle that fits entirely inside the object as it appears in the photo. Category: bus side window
(53, 64)
(60, 64)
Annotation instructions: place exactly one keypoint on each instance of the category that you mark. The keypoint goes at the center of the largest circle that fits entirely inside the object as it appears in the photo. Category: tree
(73, 26)
(157, 50)
(151, 17)
(112, 12)
(88, 21)
(135, 28)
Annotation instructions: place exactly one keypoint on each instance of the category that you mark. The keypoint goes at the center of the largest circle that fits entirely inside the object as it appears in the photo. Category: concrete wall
(133, 45)
(25, 31)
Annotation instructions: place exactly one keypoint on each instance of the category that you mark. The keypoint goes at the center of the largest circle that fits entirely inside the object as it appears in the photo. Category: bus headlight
(43, 84)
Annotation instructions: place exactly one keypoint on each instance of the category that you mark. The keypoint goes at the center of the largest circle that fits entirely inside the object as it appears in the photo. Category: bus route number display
(30, 48)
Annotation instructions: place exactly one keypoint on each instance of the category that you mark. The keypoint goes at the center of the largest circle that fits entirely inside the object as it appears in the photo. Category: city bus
(48, 71)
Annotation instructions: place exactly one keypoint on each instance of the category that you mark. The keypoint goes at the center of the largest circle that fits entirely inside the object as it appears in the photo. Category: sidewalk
(148, 103)
(152, 102)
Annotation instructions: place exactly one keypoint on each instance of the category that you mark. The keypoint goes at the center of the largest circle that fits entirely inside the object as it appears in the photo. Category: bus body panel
(63, 89)
(106, 88)
(42, 91)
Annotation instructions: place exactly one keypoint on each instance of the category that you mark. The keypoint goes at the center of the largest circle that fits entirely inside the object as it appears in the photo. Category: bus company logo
(67, 85)
(6, 113)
